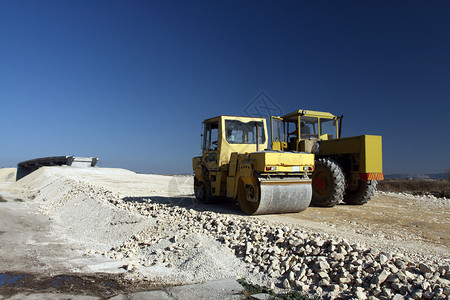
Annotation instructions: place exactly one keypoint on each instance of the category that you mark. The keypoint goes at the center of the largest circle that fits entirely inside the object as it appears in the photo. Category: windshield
(309, 127)
(238, 132)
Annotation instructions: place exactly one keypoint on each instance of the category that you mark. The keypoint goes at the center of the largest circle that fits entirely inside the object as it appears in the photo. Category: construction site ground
(62, 230)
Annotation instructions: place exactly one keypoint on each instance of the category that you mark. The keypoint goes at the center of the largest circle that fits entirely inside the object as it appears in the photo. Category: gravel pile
(442, 202)
(278, 255)
(180, 245)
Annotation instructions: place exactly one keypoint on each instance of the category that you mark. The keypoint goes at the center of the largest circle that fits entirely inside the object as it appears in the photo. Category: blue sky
(131, 81)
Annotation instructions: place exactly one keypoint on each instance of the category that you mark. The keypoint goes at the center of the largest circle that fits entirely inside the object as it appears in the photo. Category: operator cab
(314, 126)
(224, 135)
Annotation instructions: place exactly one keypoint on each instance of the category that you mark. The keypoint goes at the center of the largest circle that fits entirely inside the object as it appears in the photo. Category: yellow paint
(282, 160)
(371, 154)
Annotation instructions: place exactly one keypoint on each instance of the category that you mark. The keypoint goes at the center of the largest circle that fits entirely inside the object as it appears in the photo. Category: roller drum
(278, 196)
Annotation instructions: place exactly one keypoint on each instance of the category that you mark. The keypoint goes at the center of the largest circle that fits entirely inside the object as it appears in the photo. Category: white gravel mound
(8, 175)
(100, 219)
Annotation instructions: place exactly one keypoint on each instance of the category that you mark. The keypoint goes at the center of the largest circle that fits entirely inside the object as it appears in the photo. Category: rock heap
(285, 257)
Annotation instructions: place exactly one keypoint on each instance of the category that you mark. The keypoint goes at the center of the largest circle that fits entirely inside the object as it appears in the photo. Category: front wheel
(328, 183)
(248, 196)
(361, 193)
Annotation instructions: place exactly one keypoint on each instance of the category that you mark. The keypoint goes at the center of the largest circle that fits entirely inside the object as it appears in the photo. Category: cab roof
(302, 112)
(240, 118)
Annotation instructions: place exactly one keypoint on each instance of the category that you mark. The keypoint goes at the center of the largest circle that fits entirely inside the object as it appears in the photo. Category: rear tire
(360, 194)
(328, 183)
(202, 191)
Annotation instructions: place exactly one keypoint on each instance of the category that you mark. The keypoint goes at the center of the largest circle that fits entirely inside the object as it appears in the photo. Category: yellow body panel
(232, 186)
(366, 148)
(341, 146)
(283, 161)
(197, 165)
(278, 145)
(372, 161)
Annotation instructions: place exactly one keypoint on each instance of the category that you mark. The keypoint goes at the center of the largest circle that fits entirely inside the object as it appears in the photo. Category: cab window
(309, 127)
(328, 127)
(210, 135)
(237, 132)
(278, 130)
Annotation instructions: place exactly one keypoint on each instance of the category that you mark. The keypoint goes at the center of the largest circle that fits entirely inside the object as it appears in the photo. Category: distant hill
(438, 176)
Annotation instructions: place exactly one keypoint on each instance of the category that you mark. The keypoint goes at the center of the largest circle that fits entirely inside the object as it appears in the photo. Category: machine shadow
(331, 207)
(219, 205)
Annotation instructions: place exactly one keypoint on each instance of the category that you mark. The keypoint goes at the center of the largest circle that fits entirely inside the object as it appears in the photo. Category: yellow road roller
(236, 164)
(346, 169)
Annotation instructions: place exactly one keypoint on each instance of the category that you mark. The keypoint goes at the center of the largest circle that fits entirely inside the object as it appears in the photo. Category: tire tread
(336, 193)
